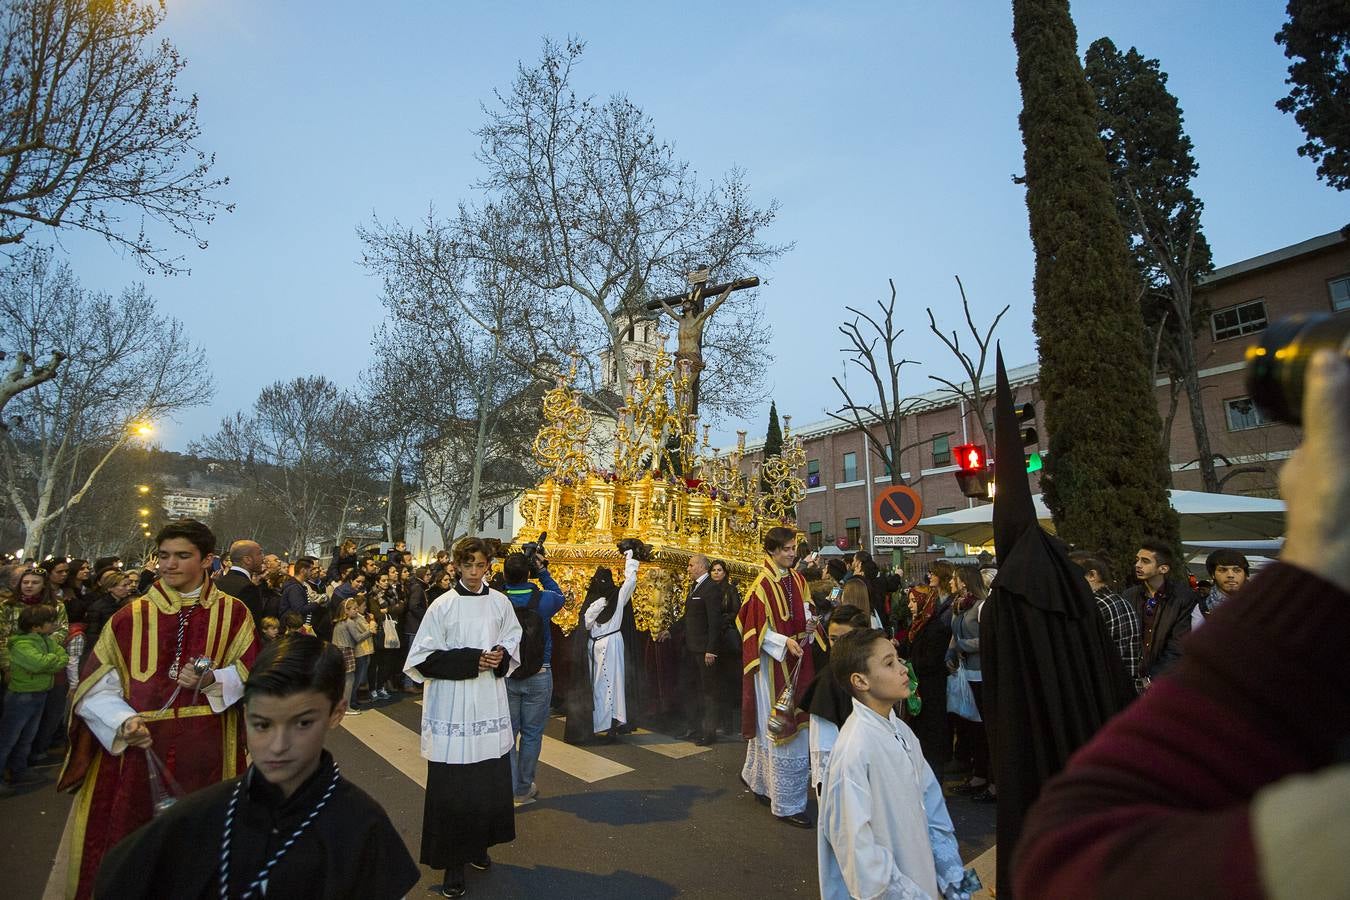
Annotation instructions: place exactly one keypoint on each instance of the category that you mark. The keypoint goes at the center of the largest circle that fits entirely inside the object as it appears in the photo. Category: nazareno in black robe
(350, 850)
(1052, 675)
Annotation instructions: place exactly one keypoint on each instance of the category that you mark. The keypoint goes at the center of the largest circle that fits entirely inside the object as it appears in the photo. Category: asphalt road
(650, 817)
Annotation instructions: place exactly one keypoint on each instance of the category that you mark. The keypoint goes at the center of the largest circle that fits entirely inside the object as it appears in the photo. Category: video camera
(641, 552)
(1278, 363)
(535, 554)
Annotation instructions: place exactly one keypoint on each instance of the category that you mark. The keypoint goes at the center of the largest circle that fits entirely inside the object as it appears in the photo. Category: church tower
(638, 347)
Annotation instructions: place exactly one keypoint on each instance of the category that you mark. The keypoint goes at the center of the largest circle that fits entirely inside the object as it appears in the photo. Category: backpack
(532, 632)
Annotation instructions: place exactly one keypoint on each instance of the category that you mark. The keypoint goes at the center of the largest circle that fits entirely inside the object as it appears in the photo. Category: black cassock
(349, 850)
(1052, 675)
(468, 806)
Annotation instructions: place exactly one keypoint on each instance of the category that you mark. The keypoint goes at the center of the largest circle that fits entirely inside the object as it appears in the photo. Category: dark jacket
(1161, 647)
(417, 605)
(239, 585)
(703, 617)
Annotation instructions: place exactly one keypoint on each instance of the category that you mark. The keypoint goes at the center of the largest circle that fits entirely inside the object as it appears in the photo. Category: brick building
(843, 476)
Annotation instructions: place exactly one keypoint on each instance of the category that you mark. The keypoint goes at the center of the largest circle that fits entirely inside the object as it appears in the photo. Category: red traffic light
(971, 458)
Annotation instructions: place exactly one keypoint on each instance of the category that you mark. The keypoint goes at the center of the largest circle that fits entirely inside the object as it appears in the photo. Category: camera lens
(1278, 363)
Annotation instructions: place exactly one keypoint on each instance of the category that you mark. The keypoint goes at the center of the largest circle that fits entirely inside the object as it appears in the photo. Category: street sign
(890, 541)
(897, 510)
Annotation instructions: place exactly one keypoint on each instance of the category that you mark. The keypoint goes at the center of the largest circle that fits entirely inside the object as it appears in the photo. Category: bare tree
(876, 352)
(92, 127)
(971, 391)
(293, 450)
(127, 366)
(462, 358)
(598, 213)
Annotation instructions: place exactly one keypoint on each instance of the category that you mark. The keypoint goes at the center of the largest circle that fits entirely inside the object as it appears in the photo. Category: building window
(1340, 293)
(1235, 321)
(854, 529)
(813, 473)
(887, 461)
(937, 540)
(942, 450)
(850, 467)
(816, 535)
(1243, 414)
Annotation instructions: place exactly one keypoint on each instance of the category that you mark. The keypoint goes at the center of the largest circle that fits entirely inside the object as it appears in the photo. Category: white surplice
(607, 666)
(824, 734)
(884, 827)
(779, 770)
(469, 720)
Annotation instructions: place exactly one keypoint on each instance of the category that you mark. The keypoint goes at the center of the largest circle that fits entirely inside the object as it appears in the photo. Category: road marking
(395, 744)
(401, 747)
(56, 881)
(669, 747)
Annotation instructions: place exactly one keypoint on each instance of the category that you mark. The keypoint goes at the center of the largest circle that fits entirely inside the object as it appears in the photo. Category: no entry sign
(897, 510)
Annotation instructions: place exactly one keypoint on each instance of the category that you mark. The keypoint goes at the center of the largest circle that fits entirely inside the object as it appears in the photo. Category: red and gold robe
(197, 745)
(776, 599)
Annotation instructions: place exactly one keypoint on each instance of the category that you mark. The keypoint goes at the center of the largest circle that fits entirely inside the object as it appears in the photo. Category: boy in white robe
(468, 642)
(828, 703)
(604, 619)
(884, 827)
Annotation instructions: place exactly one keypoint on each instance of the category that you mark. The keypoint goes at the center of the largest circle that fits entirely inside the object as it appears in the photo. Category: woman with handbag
(963, 660)
(380, 602)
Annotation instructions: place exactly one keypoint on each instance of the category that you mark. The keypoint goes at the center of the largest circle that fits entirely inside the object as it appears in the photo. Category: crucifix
(691, 314)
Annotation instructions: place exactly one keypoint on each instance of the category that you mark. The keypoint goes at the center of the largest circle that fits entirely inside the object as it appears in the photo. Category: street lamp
(144, 512)
(143, 488)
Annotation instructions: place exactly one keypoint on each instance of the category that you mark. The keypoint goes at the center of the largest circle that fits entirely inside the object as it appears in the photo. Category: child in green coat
(34, 657)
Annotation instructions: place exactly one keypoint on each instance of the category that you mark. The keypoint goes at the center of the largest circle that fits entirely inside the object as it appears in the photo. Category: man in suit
(246, 567)
(702, 631)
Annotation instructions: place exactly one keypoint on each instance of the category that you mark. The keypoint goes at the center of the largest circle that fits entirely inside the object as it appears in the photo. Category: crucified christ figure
(692, 317)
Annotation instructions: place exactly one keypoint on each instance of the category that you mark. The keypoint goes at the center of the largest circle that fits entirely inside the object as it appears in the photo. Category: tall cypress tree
(773, 442)
(1106, 478)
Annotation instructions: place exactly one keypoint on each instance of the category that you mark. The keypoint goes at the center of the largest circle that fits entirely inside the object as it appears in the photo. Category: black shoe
(705, 740)
(483, 864)
(759, 797)
(626, 728)
(798, 820)
(985, 796)
(454, 883)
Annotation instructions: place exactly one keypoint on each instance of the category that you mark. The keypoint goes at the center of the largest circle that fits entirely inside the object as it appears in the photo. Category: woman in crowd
(925, 646)
(857, 594)
(442, 583)
(79, 592)
(115, 588)
(729, 654)
(963, 655)
(344, 559)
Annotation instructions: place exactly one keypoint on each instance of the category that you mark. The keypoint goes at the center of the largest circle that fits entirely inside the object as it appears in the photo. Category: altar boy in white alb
(884, 827)
(467, 644)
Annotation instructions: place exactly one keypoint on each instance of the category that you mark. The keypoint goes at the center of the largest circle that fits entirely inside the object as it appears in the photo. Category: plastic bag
(391, 641)
(960, 698)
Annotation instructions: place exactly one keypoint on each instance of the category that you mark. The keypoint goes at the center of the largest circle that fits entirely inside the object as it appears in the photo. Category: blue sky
(886, 131)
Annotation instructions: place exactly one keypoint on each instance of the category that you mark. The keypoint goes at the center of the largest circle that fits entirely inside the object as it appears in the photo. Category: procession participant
(603, 619)
(291, 826)
(828, 702)
(467, 644)
(884, 826)
(141, 693)
(773, 626)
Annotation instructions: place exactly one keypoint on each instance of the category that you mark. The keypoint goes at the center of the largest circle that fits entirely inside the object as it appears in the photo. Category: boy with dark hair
(828, 703)
(1164, 610)
(291, 826)
(884, 827)
(468, 643)
(34, 658)
(165, 676)
(1228, 570)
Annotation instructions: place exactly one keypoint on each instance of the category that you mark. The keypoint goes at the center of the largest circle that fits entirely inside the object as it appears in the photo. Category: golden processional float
(711, 507)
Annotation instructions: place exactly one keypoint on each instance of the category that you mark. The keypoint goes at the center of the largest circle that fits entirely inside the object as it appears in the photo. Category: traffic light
(972, 463)
(1026, 421)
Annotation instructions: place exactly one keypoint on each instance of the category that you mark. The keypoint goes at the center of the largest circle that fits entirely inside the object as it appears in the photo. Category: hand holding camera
(641, 552)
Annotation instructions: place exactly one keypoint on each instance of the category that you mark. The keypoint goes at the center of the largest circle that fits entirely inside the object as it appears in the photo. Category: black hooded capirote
(1052, 676)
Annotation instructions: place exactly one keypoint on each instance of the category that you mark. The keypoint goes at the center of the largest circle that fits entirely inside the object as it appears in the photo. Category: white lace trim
(443, 728)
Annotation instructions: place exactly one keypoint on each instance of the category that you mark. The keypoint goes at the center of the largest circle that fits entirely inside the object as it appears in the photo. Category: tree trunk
(1191, 382)
(476, 480)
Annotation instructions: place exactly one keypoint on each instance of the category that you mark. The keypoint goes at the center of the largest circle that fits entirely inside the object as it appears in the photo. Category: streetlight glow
(143, 488)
